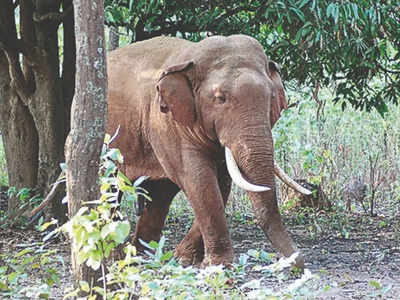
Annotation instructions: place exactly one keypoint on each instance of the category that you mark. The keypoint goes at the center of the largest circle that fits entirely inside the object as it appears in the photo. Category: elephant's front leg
(190, 250)
(210, 227)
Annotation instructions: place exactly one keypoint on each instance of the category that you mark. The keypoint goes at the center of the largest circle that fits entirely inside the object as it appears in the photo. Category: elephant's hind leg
(190, 250)
(151, 221)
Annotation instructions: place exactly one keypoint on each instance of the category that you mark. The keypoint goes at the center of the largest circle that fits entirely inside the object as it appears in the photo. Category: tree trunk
(89, 109)
(19, 136)
(38, 99)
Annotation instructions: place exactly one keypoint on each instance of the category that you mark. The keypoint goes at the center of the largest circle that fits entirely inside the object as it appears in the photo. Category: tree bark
(89, 108)
(19, 135)
(37, 97)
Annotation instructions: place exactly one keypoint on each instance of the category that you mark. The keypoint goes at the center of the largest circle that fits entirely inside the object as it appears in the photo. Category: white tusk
(289, 181)
(237, 177)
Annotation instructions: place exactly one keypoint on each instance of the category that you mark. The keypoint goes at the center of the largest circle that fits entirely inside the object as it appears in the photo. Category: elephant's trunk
(237, 177)
(254, 154)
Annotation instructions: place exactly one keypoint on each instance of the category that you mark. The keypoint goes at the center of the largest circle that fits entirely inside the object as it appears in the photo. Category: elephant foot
(190, 251)
(299, 262)
(211, 260)
(218, 252)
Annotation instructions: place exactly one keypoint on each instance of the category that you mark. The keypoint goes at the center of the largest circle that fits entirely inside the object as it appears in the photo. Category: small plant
(98, 228)
(17, 269)
(25, 199)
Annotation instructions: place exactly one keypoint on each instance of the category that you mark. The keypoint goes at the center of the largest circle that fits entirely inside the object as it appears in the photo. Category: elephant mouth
(240, 181)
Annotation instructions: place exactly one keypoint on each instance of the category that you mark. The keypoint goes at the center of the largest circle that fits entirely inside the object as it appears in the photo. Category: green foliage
(160, 277)
(18, 268)
(343, 45)
(22, 194)
(98, 228)
(334, 148)
(25, 199)
(348, 43)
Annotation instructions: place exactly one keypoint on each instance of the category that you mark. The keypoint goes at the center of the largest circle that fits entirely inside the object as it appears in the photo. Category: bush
(331, 147)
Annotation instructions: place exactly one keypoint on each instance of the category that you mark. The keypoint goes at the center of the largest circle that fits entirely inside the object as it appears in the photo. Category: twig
(104, 280)
(46, 201)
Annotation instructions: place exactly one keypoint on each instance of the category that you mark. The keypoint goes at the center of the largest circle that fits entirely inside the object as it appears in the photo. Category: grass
(340, 147)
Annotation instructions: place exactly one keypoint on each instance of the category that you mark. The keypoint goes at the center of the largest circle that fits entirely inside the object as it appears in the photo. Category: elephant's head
(226, 90)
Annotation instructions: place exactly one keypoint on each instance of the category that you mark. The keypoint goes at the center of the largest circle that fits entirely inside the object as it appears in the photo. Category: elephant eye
(220, 99)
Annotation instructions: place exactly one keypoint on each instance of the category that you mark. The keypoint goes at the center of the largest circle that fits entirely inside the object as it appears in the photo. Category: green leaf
(84, 286)
(24, 194)
(23, 252)
(27, 260)
(107, 229)
(382, 109)
(131, 5)
(94, 260)
(82, 257)
(3, 269)
(299, 13)
(108, 248)
(166, 256)
(375, 284)
(93, 237)
(153, 286)
(329, 10)
(304, 2)
(355, 9)
(12, 277)
(121, 176)
(122, 231)
(3, 286)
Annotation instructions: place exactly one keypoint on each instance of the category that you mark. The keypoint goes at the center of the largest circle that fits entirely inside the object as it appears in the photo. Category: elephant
(193, 116)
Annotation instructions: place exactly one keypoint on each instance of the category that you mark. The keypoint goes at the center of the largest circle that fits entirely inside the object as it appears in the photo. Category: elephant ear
(278, 101)
(175, 94)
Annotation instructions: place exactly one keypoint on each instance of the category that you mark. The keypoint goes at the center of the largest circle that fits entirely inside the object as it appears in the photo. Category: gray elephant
(192, 117)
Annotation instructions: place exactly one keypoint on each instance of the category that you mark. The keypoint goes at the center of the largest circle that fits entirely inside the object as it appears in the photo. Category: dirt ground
(347, 268)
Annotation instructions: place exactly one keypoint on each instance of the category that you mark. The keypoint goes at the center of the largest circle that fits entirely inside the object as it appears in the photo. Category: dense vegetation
(338, 149)
(320, 43)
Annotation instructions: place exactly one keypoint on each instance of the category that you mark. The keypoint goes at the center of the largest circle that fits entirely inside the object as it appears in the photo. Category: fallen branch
(46, 201)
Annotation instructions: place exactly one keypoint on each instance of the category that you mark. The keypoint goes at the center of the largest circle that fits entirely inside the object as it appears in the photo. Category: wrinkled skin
(179, 104)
